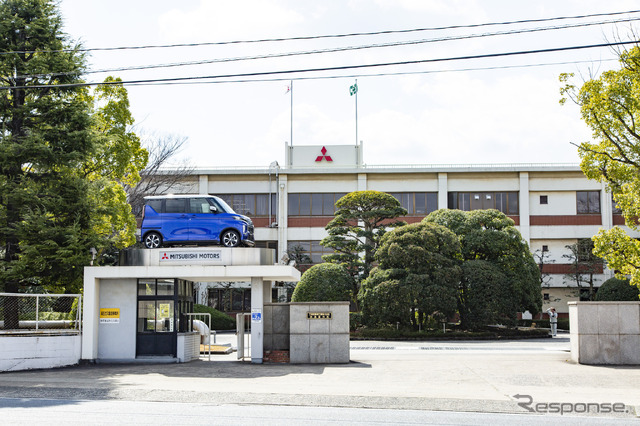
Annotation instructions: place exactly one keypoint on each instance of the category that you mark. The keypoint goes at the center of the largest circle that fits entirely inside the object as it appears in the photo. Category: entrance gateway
(137, 311)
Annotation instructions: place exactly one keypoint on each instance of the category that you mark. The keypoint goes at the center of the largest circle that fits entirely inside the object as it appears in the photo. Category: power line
(338, 49)
(352, 48)
(330, 77)
(339, 68)
(317, 37)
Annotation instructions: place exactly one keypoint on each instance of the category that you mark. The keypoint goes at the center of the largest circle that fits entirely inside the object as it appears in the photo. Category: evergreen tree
(45, 139)
(497, 264)
(361, 219)
(64, 155)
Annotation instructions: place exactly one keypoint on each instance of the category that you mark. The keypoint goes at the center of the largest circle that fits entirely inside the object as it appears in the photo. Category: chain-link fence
(20, 313)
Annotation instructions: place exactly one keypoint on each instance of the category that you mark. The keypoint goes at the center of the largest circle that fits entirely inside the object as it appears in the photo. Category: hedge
(219, 320)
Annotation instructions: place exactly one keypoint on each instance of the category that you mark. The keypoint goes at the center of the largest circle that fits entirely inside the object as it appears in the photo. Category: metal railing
(243, 320)
(22, 313)
(197, 316)
(265, 169)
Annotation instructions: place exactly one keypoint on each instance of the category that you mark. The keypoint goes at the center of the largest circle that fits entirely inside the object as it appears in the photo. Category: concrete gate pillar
(257, 322)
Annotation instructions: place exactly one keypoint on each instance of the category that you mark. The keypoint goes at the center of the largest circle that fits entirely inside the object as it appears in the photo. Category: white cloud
(226, 20)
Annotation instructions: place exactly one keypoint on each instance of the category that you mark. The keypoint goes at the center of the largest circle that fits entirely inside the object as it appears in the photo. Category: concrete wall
(31, 352)
(188, 347)
(118, 340)
(276, 326)
(319, 341)
(605, 332)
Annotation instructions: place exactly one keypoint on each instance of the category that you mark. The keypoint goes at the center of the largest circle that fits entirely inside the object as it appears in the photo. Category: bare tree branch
(163, 150)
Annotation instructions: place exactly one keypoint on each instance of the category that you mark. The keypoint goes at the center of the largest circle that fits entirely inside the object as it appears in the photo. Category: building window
(588, 202)
(545, 296)
(545, 248)
(544, 199)
(252, 205)
(311, 248)
(162, 304)
(585, 250)
(316, 204)
(417, 203)
(506, 202)
(230, 299)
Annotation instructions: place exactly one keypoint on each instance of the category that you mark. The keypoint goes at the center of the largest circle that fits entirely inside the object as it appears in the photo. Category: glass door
(156, 326)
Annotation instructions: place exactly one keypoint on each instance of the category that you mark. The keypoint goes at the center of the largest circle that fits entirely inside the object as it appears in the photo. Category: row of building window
(506, 202)
(254, 205)
(316, 204)
(311, 248)
(416, 203)
(233, 299)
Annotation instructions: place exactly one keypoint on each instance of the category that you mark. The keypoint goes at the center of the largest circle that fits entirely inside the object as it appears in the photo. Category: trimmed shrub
(219, 320)
(615, 290)
(326, 282)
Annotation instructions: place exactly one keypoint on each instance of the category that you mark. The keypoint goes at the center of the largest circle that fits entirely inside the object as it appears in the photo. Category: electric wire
(318, 37)
(384, 74)
(330, 50)
(345, 48)
(325, 69)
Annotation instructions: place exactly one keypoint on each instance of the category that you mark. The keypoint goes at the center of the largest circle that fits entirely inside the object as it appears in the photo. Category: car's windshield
(224, 206)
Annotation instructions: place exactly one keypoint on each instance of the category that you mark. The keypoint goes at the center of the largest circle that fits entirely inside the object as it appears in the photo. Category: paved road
(74, 412)
(510, 377)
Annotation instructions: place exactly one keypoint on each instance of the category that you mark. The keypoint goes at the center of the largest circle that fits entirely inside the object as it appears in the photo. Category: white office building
(553, 205)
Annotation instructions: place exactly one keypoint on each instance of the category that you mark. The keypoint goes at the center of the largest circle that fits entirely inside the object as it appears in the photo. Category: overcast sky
(445, 112)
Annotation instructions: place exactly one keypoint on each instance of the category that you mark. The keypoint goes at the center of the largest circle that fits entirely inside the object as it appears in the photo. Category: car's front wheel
(152, 240)
(230, 238)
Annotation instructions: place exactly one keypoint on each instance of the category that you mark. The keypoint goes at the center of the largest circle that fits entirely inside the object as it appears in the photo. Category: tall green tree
(114, 166)
(65, 153)
(417, 276)
(46, 138)
(361, 219)
(610, 106)
(491, 237)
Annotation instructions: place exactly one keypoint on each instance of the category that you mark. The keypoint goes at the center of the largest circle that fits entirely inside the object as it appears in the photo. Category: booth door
(157, 334)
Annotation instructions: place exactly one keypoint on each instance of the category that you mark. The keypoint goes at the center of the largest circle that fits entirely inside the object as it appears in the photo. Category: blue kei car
(193, 219)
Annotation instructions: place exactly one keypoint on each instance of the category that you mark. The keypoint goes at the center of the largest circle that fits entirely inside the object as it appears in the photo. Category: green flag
(353, 89)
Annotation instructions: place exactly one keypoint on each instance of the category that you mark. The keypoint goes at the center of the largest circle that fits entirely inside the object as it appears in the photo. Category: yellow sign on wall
(165, 310)
(319, 315)
(109, 315)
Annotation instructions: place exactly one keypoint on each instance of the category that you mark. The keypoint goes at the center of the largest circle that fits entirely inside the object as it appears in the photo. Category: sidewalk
(479, 376)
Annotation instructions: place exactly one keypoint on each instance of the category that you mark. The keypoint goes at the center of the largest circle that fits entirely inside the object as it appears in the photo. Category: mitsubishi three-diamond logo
(324, 155)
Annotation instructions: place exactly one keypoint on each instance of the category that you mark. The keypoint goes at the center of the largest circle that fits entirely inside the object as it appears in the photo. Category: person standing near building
(553, 320)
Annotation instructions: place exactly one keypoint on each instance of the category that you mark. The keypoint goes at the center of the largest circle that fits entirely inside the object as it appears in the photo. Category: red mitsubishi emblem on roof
(324, 155)
(164, 256)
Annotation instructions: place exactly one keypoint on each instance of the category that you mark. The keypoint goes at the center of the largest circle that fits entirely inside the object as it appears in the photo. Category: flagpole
(291, 136)
(356, 112)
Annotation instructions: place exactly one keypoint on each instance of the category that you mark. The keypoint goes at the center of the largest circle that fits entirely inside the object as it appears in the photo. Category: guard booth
(137, 311)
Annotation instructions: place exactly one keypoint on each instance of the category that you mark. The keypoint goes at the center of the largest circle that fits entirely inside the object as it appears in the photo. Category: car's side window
(215, 204)
(155, 205)
(199, 205)
(175, 205)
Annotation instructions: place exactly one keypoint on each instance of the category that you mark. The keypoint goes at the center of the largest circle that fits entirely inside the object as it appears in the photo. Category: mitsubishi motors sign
(324, 156)
(203, 257)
